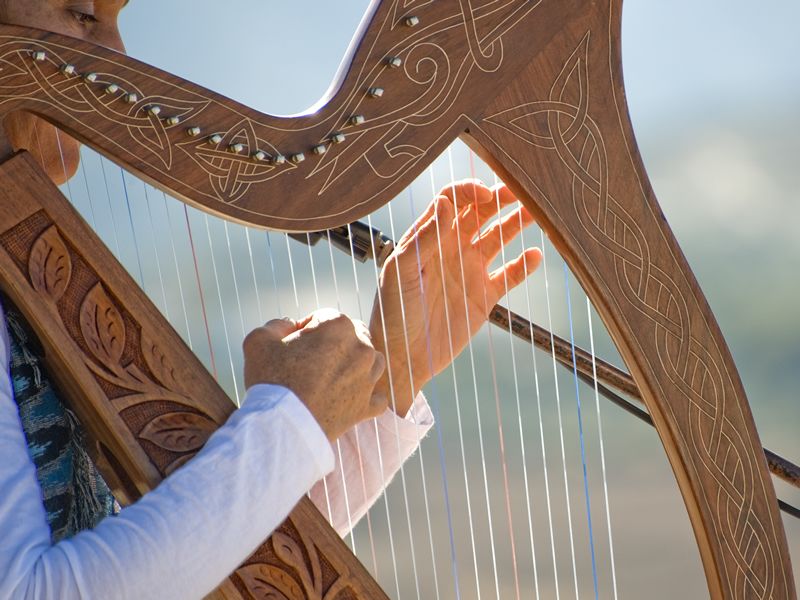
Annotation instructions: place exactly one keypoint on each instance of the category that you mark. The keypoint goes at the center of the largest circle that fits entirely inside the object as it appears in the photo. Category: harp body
(535, 88)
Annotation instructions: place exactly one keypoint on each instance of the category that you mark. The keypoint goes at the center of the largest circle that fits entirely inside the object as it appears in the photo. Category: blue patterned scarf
(75, 496)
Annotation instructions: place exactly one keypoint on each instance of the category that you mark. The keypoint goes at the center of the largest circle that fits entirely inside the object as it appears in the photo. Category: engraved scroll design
(181, 433)
(439, 57)
(91, 103)
(563, 124)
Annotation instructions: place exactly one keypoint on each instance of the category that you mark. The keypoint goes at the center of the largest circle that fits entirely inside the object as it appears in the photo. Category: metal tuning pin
(153, 110)
(112, 88)
(375, 92)
(171, 121)
(278, 159)
(394, 61)
(259, 155)
(193, 131)
(90, 77)
(411, 21)
(356, 120)
(236, 148)
(215, 139)
(131, 98)
(337, 138)
(39, 55)
(319, 149)
(68, 69)
(297, 158)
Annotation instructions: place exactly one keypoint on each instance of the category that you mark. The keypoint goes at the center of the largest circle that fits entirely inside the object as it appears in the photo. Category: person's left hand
(436, 291)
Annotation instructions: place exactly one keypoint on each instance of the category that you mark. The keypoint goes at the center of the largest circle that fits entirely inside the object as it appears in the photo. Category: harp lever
(357, 239)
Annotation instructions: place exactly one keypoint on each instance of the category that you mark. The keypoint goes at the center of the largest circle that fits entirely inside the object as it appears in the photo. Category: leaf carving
(159, 363)
(179, 431)
(102, 326)
(289, 551)
(177, 463)
(49, 265)
(267, 582)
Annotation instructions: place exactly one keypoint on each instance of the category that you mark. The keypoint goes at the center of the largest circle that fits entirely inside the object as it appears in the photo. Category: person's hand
(436, 291)
(327, 360)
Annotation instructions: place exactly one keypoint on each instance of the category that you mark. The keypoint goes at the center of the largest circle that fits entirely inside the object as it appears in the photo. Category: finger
(378, 367)
(378, 403)
(426, 241)
(475, 201)
(362, 332)
(502, 232)
(423, 218)
(510, 275)
(484, 212)
(280, 328)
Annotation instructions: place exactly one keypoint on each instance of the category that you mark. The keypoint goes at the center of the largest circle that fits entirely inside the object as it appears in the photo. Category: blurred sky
(714, 93)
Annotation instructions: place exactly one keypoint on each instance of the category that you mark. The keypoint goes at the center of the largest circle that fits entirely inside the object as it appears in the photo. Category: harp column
(561, 137)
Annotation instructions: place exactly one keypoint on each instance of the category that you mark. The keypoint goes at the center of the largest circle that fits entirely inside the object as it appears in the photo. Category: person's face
(91, 20)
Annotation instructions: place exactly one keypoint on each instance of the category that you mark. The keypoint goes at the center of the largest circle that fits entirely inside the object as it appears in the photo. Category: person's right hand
(327, 360)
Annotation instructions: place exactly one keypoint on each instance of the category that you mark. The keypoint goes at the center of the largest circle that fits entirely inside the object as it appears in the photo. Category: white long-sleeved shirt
(183, 538)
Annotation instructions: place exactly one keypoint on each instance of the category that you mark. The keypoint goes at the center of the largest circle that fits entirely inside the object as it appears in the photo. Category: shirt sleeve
(367, 458)
(182, 539)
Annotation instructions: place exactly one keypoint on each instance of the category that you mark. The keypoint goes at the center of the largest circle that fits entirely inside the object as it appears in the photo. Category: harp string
(203, 310)
(377, 434)
(215, 272)
(411, 381)
(252, 267)
(177, 270)
(580, 431)
(540, 420)
(498, 411)
(477, 401)
(368, 515)
(317, 304)
(457, 399)
(602, 448)
(436, 406)
(528, 499)
(560, 422)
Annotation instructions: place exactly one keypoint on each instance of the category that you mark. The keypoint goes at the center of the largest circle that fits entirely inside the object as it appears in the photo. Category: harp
(554, 127)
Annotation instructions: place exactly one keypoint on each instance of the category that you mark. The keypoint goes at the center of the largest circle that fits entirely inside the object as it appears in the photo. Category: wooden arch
(535, 88)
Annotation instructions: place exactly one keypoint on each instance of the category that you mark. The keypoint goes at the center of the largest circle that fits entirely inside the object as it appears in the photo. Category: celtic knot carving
(564, 125)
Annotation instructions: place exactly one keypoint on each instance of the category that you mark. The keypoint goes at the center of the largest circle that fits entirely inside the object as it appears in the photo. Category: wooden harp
(535, 88)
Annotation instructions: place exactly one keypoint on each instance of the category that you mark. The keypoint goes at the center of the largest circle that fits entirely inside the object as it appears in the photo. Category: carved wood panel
(140, 392)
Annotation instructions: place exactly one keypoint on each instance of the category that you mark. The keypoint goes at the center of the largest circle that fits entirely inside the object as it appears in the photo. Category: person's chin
(56, 152)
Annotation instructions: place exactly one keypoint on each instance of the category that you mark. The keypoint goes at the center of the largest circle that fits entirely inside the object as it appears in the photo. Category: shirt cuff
(411, 428)
(267, 397)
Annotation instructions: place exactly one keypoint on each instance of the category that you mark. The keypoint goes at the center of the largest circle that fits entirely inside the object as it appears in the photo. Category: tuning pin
(171, 121)
(90, 77)
(259, 155)
(394, 61)
(131, 98)
(236, 148)
(297, 158)
(39, 56)
(112, 88)
(153, 110)
(319, 149)
(337, 138)
(375, 92)
(411, 21)
(278, 159)
(193, 131)
(215, 139)
(356, 120)
(68, 69)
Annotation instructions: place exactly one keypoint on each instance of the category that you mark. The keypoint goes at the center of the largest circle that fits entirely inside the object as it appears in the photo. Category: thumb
(280, 328)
